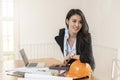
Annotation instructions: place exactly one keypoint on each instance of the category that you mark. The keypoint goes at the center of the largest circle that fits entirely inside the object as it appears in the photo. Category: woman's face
(74, 24)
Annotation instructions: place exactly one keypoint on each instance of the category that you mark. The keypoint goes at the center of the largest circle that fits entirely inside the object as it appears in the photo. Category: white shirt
(67, 49)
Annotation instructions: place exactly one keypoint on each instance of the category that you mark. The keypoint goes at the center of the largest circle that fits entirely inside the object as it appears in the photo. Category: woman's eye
(74, 21)
(81, 21)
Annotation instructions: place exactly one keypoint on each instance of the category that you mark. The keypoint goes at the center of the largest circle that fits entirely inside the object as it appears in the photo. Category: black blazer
(83, 46)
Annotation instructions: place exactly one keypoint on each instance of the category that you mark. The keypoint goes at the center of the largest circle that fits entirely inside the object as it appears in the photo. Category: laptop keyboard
(32, 64)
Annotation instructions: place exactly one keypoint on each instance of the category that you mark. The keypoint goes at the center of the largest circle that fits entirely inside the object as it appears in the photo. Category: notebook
(16, 73)
(26, 62)
(58, 67)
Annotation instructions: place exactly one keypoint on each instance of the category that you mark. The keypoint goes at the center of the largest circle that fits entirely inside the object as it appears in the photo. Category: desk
(11, 64)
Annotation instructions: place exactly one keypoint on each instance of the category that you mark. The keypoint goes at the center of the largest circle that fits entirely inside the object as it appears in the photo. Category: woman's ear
(66, 21)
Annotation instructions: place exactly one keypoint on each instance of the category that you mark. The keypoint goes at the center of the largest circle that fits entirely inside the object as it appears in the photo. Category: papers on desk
(46, 78)
(25, 69)
(43, 77)
(35, 74)
(22, 71)
(16, 73)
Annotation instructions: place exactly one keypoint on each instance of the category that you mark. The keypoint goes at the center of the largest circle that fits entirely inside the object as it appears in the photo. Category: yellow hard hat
(79, 70)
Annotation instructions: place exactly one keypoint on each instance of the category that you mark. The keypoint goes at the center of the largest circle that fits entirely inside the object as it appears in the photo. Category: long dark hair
(83, 35)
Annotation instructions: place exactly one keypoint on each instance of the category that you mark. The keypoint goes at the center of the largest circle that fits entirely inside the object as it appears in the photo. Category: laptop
(26, 62)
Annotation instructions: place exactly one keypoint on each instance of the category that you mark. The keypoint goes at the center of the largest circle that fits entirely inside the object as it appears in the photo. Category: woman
(75, 39)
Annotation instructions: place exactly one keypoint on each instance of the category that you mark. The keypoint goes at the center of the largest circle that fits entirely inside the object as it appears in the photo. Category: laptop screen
(24, 57)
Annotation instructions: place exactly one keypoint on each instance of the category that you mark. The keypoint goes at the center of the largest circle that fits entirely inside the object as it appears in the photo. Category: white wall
(41, 19)
(103, 18)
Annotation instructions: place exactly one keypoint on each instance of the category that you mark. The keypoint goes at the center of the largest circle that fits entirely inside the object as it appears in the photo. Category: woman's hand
(76, 57)
(69, 57)
(66, 60)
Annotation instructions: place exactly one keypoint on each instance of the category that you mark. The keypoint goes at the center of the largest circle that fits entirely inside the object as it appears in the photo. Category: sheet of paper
(44, 77)
(24, 69)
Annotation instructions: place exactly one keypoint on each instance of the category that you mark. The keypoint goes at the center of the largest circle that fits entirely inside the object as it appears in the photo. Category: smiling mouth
(75, 28)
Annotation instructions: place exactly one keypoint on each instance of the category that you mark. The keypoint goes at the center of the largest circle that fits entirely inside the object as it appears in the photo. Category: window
(9, 30)
(7, 24)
